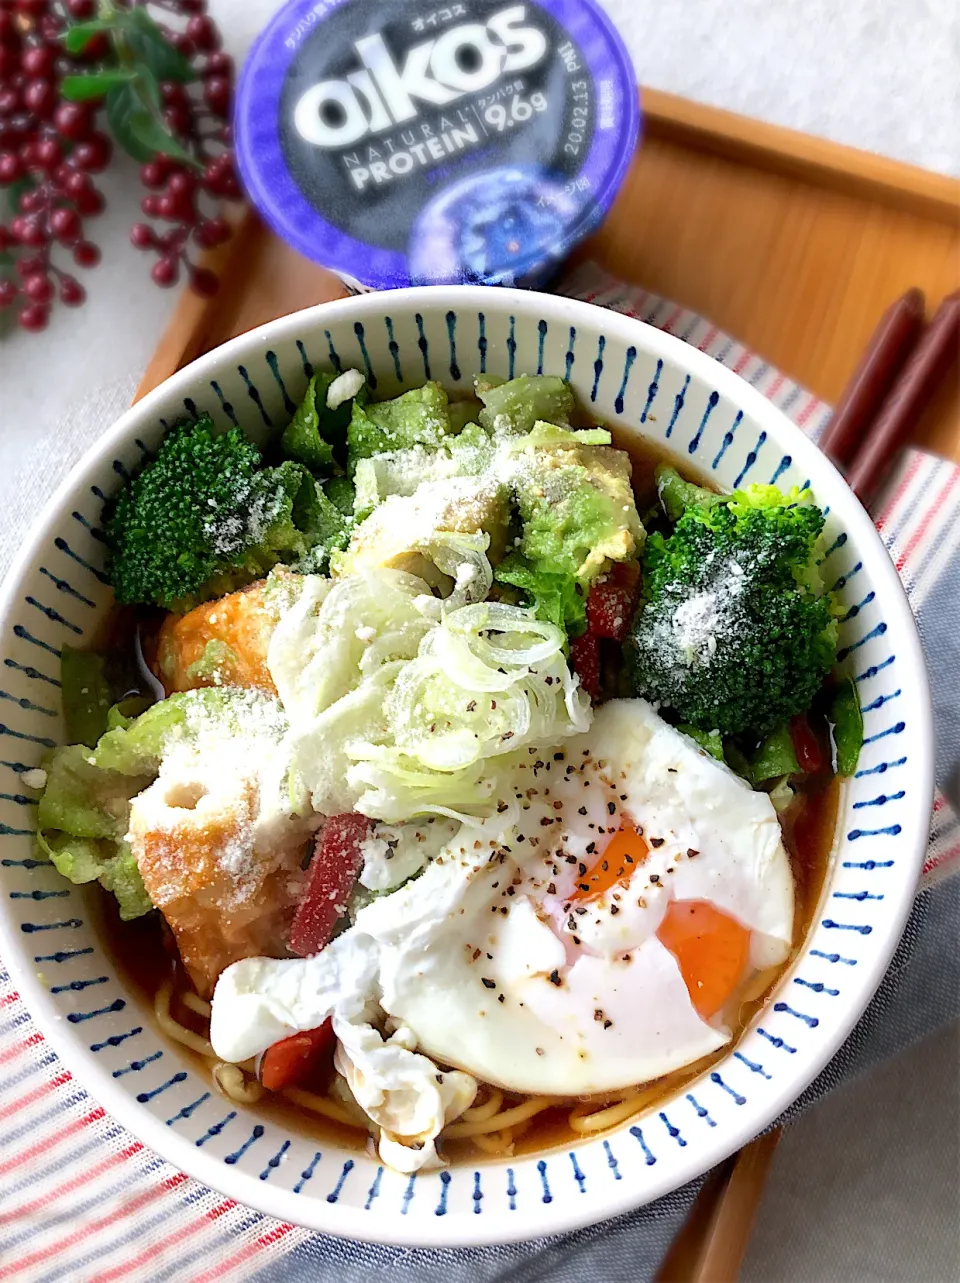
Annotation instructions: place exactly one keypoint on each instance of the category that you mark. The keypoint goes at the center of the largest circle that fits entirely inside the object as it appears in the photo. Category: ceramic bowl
(651, 384)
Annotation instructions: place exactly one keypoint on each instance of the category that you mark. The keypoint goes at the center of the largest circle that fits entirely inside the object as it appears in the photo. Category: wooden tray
(792, 244)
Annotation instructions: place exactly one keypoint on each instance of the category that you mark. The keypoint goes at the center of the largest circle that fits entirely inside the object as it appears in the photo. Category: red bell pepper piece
(585, 655)
(297, 1059)
(611, 601)
(330, 879)
(806, 745)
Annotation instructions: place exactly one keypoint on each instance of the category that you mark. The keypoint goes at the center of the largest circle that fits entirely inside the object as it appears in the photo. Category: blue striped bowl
(651, 384)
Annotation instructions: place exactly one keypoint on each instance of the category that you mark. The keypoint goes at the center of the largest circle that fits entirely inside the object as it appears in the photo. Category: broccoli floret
(735, 631)
(204, 518)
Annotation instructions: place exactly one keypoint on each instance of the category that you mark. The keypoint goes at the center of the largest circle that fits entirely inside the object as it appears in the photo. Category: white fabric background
(867, 1187)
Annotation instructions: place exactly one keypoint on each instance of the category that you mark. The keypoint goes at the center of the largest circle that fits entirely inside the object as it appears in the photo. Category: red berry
(80, 10)
(34, 318)
(183, 44)
(9, 60)
(8, 32)
(151, 206)
(141, 236)
(204, 282)
(89, 203)
(28, 231)
(11, 167)
(5, 239)
(8, 292)
(72, 292)
(9, 100)
(192, 6)
(218, 64)
(94, 154)
(166, 206)
(75, 183)
(212, 232)
(31, 8)
(216, 94)
(153, 174)
(50, 28)
(165, 272)
(38, 288)
(40, 97)
(39, 60)
(173, 94)
(66, 225)
(178, 119)
(203, 34)
(72, 120)
(86, 254)
(30, 266)
(48, 154)
(33, 201)
(95, 49)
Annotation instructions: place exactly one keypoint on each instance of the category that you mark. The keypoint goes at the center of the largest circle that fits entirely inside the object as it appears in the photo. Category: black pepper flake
(570, 859)
(504, 912)
(551, 888)
(493, 704)
(607, 1024)
(500, 997)
(475, 955)
(511, 891)
(439, 1077)
(554, 978)
(581, 810)
(581, 869)
(591, 848)
(657, 841)
(584, 886)
(614, 910)
(628, 859)
(605, 865)
(655, 877)
(576, 939)
(545, 822)
(488, 983)
(612, 808)
(623, 797)
(581, 911)
(598, 1013)
(501, 807)
(521, 838)
(558, 757)
(672, 770)
(557, 806)
(691, 852)
(507, 735)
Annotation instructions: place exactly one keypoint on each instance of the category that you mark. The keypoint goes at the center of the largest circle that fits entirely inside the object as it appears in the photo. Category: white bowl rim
(353, 1223)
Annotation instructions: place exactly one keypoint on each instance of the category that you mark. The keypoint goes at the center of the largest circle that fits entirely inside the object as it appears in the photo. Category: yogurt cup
(401, 143)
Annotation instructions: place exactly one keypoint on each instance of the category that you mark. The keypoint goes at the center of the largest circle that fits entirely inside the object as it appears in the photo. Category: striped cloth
(82, 1200)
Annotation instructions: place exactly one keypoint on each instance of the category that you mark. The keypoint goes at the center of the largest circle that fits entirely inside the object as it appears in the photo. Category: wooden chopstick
(884, 357)
(921, 375)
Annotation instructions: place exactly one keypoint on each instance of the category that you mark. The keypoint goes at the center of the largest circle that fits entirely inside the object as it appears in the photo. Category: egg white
(482, 962)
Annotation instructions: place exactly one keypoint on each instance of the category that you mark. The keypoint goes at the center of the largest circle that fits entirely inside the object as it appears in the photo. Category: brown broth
(142, 949)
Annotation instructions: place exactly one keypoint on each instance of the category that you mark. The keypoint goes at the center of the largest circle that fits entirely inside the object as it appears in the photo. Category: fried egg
(589, 936)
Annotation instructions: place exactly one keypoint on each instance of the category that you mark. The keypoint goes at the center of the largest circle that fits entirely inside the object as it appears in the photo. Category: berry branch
(72, 73)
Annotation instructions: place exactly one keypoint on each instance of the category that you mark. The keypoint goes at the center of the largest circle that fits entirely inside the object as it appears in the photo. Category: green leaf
(847, 722)
(95, 84)
(150, 47)
(134, 120)
(776, 756)
(77, 37)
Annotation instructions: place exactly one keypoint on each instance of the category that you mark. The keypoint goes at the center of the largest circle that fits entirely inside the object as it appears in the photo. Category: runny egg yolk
(626, 850)
(711, 949)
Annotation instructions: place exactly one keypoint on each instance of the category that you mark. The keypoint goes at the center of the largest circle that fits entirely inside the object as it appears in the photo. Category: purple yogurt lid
(408, 142)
